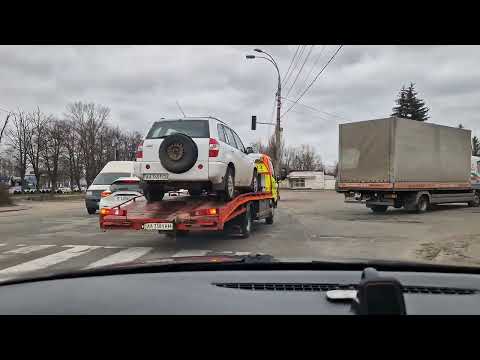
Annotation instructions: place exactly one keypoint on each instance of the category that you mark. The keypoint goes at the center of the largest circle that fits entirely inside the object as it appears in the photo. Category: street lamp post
(279, 104)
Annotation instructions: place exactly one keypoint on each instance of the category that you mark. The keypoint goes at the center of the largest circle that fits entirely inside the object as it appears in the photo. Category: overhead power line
(295, 64)
(316, 115)
(313, 81)
(319, 56)
(301, 68)
(315, 109)
(289, 66)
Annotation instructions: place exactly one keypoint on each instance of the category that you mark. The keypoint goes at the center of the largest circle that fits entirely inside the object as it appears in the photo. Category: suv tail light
(139, 153)
(214, 148)
(105, 193)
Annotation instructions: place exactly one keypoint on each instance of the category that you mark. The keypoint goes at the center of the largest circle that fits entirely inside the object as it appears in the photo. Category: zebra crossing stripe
(185, 253)
(125, 255)
(28, 249)
(46, 261)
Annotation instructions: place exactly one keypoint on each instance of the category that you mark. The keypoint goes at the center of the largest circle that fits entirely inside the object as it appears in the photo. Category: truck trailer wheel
(379, 209)
(475, 202)
(422, 204)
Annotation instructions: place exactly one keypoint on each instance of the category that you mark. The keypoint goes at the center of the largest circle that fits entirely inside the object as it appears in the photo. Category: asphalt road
(59, 235)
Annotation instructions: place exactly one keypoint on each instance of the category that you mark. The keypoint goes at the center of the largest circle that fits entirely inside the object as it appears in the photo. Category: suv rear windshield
(108, 178)
(192, 128)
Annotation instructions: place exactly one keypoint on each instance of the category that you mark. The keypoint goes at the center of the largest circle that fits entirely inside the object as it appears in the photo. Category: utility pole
(277, 128)
(276, 160)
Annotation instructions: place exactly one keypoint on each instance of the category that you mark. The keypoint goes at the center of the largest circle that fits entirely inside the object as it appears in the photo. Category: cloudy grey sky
(141, 84)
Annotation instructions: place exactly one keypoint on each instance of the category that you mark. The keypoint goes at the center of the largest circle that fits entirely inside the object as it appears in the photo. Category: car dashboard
(232, 292)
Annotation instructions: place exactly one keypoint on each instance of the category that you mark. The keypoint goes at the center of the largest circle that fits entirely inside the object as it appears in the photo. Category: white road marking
(126, 255)
(191, 253)
(242, 253)
(47, 261)
(28, 249)
(3, 244)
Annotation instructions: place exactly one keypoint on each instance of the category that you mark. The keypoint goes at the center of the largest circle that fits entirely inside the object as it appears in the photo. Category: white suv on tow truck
(199, 153)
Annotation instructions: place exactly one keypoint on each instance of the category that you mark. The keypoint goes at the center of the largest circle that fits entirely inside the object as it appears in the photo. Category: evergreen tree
(475, 146)
(409, 106)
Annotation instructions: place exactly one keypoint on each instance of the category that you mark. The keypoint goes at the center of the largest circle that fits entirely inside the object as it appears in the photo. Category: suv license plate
(158, 226)
(162, 176)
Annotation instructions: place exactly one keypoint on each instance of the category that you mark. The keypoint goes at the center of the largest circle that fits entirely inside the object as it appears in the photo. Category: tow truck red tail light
(205, 212)
(214, 148)
(105, 193)
(139, 153)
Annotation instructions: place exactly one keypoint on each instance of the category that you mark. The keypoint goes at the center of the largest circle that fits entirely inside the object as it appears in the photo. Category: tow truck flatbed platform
(186, 213)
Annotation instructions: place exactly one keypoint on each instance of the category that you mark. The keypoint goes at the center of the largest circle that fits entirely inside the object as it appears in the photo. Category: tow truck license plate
(160, 176)
(158, 226)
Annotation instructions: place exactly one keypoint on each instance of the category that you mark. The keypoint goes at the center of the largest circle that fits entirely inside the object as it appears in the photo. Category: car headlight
(89, 193)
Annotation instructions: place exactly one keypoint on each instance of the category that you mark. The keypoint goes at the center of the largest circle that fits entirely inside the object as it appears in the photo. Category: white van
(110, 172)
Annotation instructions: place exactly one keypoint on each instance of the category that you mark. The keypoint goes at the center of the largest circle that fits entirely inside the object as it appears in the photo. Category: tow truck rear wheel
(269, 220)
(91, 211)
(246, 223)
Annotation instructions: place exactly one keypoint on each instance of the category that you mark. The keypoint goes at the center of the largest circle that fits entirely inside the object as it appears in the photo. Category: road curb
(11, 210)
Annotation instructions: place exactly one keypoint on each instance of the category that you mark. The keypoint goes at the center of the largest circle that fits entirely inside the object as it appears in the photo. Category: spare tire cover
(178, 153)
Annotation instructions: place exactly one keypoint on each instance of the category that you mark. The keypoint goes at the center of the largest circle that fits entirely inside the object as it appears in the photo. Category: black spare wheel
(178, 153)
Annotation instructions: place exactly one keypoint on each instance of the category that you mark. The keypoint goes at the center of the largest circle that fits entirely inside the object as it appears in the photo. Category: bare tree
(5, 123)
(37, 141)
(73, 154)
(89, 121)
(54, 143)
(303, 157)
(306, 159)
(19, 136)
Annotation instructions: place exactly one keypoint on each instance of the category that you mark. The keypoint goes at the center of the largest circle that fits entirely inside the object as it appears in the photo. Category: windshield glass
(108, 178)
(366, 153)
(192, 128)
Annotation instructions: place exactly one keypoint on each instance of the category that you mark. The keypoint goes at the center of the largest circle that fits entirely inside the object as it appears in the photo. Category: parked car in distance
(15, 189)
(110, 172)
(201, 153)
(45, 190)
(121, 190)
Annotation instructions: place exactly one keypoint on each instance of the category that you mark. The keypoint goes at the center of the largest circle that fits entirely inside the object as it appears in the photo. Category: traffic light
(254, 122)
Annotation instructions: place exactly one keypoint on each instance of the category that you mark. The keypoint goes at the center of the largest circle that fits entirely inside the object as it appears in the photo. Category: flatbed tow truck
(182, 214)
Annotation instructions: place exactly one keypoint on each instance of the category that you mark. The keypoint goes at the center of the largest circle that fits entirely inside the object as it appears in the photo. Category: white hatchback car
(201, 153)
(121, 190)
